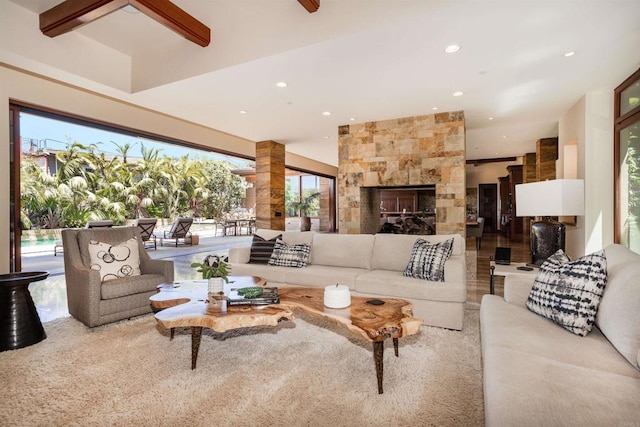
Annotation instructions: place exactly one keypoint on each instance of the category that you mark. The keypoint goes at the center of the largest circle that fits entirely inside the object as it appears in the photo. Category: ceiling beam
(72, 14)
(496, 160)
(171, 16)
(310, 5)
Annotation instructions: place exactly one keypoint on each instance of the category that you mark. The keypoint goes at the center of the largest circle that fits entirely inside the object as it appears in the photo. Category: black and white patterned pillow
(115, 261)
(569, 292)
(261, 249)
(428, 259)
(284, 255)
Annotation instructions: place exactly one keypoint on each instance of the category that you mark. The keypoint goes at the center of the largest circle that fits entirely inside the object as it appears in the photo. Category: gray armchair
(94, 302)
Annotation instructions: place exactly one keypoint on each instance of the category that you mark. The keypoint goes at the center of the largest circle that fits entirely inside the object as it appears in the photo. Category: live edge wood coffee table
(185, 307)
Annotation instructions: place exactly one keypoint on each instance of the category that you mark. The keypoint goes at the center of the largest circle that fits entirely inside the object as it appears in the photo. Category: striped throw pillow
(262, 249)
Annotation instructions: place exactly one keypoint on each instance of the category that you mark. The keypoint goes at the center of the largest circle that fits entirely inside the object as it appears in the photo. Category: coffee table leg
(196, 334)
(395, 346)
(378, 353)
(172, 332)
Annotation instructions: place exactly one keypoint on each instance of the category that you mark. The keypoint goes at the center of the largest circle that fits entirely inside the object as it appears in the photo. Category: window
(627, 163)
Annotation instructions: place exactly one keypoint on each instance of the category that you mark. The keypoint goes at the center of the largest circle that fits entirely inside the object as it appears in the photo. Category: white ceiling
(363, 59)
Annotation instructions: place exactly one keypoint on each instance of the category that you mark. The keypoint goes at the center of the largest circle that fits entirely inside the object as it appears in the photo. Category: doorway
(488, 206)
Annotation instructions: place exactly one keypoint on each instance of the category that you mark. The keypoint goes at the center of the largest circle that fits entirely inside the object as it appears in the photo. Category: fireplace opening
(398, 210)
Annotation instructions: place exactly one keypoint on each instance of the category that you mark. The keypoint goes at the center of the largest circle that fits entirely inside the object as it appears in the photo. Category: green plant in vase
(215, 269)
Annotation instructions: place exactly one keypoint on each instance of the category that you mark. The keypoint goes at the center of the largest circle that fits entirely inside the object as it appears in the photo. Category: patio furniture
(179, 230)
(146, 227)
(100, 223)
(95, 301)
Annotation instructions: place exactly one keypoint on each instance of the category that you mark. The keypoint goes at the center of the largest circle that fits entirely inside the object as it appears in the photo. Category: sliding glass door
(627, 163)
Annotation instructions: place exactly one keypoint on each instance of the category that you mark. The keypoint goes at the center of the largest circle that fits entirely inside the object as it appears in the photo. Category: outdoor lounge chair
(146, 227)
(179, 230)
(101, 223)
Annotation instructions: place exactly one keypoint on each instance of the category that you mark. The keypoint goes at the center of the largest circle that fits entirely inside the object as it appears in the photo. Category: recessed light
(282, 84)
(353, 119)
(568, 54)
(490, 118)
(452, 48)
(326, 137)
(243, 112)
(434, 108)
(326, 113)
(504, 137)
(458, 93)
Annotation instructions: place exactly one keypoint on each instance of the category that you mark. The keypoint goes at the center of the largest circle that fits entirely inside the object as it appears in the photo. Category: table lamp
(558, 197)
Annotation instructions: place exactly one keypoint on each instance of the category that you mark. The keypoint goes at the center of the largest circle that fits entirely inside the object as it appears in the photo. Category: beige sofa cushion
(322, 275)
(393, 251)
(619, 313)
(531, 391)
(342, 250)
(393, 284)
(513, 326)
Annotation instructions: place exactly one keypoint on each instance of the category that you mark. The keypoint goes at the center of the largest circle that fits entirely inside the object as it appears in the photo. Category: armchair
(95, 302)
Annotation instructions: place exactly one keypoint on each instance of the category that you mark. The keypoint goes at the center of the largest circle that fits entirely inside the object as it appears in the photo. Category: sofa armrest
(158, 266)
(84, 291)
(517, 288)
(239, 255)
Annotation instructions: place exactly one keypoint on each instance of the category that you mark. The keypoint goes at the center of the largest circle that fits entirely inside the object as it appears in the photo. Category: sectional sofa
(538, 374)
(369, 265)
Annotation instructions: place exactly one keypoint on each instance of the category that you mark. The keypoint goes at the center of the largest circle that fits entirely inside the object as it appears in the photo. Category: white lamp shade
(558, 197)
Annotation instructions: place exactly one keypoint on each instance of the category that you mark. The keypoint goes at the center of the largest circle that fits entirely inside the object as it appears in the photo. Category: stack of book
(269, 296)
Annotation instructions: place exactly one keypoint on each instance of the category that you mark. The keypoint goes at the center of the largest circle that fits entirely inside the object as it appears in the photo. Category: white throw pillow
(115, 261)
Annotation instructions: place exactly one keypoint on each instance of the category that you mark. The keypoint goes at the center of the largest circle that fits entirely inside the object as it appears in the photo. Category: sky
(57, 135)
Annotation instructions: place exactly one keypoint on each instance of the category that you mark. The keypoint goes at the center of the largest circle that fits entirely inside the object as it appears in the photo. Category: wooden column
(546, 154)
(270, 212)
(529, 168)
(515, 178)
(529, 174)
(327, 208)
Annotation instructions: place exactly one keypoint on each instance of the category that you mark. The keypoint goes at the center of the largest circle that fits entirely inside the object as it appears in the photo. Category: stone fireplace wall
(410, 151)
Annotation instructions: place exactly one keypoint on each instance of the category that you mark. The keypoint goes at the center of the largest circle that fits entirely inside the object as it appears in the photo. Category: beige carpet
(298, 374)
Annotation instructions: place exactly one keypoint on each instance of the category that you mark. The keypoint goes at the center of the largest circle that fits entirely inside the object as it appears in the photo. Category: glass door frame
(621, 122)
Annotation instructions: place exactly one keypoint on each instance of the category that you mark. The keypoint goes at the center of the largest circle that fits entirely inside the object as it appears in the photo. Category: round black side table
(20, 324)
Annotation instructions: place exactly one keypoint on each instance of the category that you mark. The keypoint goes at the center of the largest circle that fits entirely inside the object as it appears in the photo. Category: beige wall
(589, 123)
(16, 85)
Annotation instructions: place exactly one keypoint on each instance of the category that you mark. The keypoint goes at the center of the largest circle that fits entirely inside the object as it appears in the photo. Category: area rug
(301, 373)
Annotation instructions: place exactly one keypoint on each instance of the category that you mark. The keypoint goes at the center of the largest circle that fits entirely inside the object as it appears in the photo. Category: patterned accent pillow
(262, 249)
(569, 292)
(290, 255)
(115, 261)
(428, 259)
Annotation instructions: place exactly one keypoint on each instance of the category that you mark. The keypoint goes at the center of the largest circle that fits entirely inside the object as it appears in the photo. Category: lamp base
(547, 236)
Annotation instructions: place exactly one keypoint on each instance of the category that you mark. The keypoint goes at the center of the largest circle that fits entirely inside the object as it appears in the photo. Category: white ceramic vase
(215, 285)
